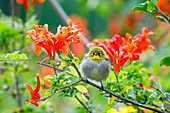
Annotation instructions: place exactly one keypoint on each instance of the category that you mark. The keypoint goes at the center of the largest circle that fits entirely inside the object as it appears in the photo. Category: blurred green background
(100, 19)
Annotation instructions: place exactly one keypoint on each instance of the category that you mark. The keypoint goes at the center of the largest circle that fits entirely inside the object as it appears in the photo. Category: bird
(95, 65)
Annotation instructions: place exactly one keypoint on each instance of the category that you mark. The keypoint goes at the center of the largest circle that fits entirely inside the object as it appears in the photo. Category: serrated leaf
(165, 61)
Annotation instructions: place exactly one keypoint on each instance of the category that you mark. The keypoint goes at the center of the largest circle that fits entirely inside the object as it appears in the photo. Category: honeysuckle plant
(128, 83)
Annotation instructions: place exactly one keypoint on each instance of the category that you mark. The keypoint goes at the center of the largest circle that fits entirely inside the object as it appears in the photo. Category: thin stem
(17, 90)
(122, 98)
(59, 10)
(118, 83)
(74, 65)
(59, 89)
(56, 68)
(163, 14)
(64, 17)
(160, 92)
(115, 95)
(83, 104)
(12, 12)
(165, 108)
(16, 84)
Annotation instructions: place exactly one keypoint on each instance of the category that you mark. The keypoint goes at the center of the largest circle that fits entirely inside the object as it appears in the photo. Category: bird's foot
(102, 88)
(87, 80)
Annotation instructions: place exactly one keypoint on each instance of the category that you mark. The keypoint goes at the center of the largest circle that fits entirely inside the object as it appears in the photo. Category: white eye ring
(92, 54)
(100, 53)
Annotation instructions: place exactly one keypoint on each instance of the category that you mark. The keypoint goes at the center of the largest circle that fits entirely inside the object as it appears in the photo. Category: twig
(158, 107)
(113, 94)
(120, 97)
(59, 10)
(83, 104)
(74, 65)
(64, 17)
(163, 14)
(15, 78)
(159, 88)
(12, 12)
(56, 68)
(17, 90)
(59, 89)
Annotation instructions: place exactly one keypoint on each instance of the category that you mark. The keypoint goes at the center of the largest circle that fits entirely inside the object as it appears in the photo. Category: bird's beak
(96, 57)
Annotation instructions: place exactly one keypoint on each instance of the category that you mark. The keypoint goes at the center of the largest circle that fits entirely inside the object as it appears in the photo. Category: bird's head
(97, 54)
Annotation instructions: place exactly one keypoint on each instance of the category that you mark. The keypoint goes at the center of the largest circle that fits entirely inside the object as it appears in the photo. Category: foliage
(13, 56)
(151, 7)
(132, 85)
(165, 61)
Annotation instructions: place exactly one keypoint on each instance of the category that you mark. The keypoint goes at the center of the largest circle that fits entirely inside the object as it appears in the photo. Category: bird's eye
(92, 54)
(100, 53)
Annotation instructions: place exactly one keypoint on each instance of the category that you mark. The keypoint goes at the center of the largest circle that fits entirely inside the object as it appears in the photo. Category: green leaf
(18, 56)
(166, 14)
(50, 78)
(141, 7)
(154, 1)
(165, 61)
(161, 106)
(23, 56)
(131, 93)
(73, 71)
(14, 56)
(2, 57)
(162, 19)
(151, 7)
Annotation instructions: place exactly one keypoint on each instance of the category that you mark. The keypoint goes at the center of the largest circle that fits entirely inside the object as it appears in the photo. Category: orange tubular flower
(130, 48)
(124, 49)
(50, 42)
(143, 42)
(34, 93)
(26, 3)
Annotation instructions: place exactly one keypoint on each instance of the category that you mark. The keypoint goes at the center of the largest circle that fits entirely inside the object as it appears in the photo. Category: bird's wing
(107, 58)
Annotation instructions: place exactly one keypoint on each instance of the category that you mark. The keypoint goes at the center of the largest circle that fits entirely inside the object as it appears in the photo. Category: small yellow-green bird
(95, 65)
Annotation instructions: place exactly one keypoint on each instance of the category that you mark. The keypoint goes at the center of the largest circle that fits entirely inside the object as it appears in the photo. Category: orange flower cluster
(34, 93)
(26, 3)
(50, 42)
(120, 49)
